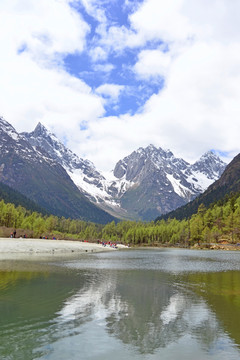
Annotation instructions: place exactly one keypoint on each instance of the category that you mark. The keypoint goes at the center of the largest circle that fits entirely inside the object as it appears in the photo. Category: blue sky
(116, 67)
(135, 91)
(108, 77)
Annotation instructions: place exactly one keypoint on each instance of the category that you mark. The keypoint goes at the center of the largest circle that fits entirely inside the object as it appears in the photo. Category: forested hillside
(218, 222)
(10, 195)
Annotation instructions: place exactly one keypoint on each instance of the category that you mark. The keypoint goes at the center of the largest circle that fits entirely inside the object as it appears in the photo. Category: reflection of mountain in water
(158, 313)
(105, 313)
(144, 309)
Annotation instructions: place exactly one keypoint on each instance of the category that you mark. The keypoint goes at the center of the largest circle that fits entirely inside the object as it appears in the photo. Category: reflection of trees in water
(221, 291)
(144, 309)
(29, 301)
(10, 278)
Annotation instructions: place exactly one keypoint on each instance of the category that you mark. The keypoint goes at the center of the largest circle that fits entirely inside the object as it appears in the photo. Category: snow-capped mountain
(47, 141)
(83, 172)
(149, 182)
(12, 146)
(33, 173)
(162, 181)
(228, 183)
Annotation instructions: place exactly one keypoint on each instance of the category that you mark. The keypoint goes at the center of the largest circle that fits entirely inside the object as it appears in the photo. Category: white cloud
(152, 63)
(153, 20)
(44, 28)
(197, 110)
(34, 86)
(98, 54)
(95, 9)
(160, 19)
(110, 90)
(104, 68)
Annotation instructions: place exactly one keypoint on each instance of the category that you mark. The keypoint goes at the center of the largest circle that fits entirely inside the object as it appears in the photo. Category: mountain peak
(210, 164)
(81, 171)
(40, 129)
(153, 151)
(210, 155)
(40, 126)
(151, 147)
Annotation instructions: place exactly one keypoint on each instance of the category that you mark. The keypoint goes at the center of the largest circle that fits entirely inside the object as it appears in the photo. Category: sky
(110, 76)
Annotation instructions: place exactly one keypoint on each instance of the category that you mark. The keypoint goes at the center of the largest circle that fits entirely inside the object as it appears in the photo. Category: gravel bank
(16, 248)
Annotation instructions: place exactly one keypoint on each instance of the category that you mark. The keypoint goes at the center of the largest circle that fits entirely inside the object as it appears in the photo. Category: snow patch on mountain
(200, 181)
(9, 130)
(89, 188)
(179, 189)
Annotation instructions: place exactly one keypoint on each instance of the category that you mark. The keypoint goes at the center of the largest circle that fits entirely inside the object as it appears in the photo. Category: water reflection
(29, 301)
(147, 310)
(103, 312)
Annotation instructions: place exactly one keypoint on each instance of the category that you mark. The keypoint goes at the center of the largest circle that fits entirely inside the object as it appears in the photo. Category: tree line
(219, 221)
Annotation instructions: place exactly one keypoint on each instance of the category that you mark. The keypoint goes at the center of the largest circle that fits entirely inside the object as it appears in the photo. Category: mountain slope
(32, 173)
(228, 183)
(82, 172)
(9, 195)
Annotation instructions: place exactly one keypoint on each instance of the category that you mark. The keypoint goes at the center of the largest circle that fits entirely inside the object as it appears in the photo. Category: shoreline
(20, 248)
(36, 249)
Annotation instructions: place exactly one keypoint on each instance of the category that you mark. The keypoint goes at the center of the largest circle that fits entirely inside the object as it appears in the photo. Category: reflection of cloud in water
(176, 304)
(97, 300)
(84, 302)
(190, 314)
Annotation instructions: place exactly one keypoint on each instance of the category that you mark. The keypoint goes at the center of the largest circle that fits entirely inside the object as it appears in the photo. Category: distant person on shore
(14, 233)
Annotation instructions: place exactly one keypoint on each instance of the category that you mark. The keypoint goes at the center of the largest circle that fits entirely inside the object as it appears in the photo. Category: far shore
(201, 246)
(17, 248)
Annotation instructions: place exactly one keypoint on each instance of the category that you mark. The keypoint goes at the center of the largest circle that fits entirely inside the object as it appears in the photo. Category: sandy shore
(22, 248)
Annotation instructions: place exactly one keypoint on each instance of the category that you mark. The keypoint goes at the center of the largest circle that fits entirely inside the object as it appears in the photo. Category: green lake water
(135, 304)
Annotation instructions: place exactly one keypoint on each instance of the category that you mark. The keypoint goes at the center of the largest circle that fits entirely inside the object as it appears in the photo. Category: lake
(135, 304)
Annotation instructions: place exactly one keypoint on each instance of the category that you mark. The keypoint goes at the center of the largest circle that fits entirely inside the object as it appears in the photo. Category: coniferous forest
(218, 222)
